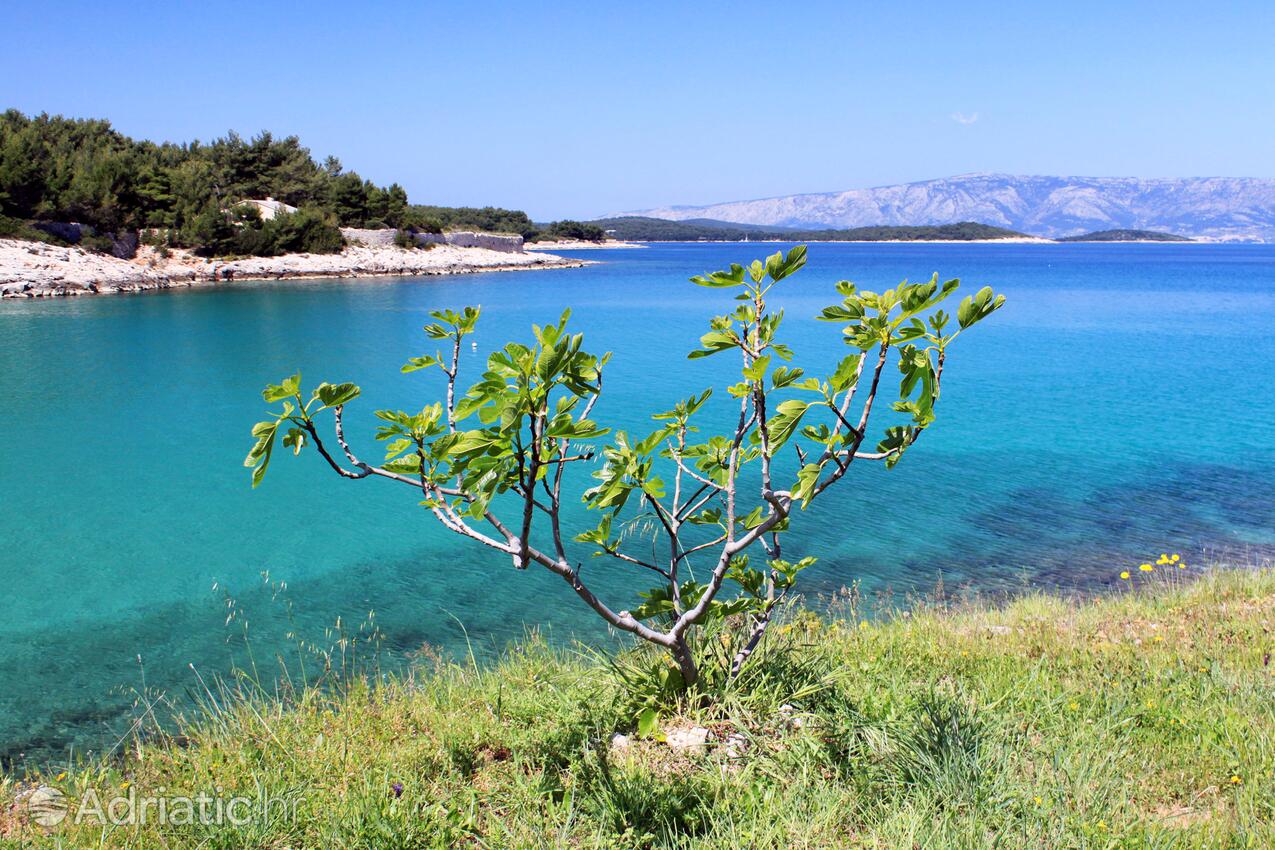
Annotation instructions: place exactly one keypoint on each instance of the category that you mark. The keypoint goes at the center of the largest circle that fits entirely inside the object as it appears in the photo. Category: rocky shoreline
(40, 270)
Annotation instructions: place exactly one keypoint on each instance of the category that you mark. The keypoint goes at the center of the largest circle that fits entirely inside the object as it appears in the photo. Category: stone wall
(505, 243)
(510, 244)
(371, 238)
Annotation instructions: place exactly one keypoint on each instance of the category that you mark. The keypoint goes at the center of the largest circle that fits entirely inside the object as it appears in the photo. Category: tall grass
(1144, 718)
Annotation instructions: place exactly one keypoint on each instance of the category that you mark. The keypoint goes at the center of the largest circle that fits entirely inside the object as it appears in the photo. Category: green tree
(492, 464)
(567, 229)
(59, 169)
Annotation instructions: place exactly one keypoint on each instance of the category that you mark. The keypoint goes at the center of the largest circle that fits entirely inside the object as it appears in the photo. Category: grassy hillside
(1126, 236)
(1143, 719)
(641, 229)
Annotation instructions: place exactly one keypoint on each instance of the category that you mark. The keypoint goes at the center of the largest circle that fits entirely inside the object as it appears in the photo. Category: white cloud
(962, 118)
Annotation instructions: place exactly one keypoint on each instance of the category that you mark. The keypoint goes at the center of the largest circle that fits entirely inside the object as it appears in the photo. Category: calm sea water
(1119, 406)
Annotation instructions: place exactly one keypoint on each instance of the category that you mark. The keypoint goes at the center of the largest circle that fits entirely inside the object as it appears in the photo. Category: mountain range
(1217, 208)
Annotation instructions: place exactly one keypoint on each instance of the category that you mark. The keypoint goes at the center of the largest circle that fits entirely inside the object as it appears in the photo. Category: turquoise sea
(1118, 407)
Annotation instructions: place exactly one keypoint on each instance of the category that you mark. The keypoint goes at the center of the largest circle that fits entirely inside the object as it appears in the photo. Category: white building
(269, 208)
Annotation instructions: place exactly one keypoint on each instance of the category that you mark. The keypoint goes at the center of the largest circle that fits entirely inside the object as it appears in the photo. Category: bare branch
(693, 474)
(760, 623)
(620, 556)
(701, 547)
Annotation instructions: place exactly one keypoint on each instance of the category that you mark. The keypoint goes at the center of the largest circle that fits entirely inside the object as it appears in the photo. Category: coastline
(578, 245)
(1031, 240)
(39, 270)
(1025, 240)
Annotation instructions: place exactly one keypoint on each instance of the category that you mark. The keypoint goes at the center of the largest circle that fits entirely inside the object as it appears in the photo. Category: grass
(1145, 718)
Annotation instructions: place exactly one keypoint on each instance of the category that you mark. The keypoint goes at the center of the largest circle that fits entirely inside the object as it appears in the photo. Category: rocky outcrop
(1225, 208)
(123, 245)
(36, 269)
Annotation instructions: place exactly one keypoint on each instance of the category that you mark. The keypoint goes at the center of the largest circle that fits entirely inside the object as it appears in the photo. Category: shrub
(533, 410)
(241, 231)
(305, 231)
(16, 228)
(406, 238)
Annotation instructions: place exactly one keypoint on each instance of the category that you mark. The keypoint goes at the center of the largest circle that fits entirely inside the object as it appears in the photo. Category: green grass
(1140, 719)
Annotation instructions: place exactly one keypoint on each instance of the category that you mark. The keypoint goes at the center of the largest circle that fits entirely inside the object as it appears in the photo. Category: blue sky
(580, 109)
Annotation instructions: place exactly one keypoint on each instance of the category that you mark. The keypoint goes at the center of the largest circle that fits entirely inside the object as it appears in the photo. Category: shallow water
(1119, 406)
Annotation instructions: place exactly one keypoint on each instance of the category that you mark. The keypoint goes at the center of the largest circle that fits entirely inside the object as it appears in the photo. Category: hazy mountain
(1231, 208)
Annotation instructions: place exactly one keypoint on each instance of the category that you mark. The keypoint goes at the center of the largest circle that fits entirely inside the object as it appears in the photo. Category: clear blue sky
(579, 109)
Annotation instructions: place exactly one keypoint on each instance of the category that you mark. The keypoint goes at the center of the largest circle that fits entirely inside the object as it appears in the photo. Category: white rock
(735, 746)
(690, 741)
(35, 269)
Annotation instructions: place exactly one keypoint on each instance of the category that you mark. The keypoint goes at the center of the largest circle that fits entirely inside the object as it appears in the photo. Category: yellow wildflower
(1159, 637)
(1162, 560)
(1182, 565)
(1235, 780)
(1102, 825)
(1125, 575)
(1074, 706)
(1146, 568)
(124, 784)
(1037, 800)
(1176, 558)
(61, 776)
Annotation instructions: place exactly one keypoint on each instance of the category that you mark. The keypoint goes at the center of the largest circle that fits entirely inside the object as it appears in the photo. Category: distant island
(1126, 236)
(646, 229)
(1236, 209)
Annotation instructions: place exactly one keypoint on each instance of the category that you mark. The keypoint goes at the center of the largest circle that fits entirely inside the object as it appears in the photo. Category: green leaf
(335, 395)
(721, 280)
(397, 447)
(757, 369)
(648, 722)
(295, 440)
(419, 363)
(472, 441)
(896, 441)
(714, 342)
(850, 311)
(259, 455)
(807, 479)
(783, 377)
(405, 465)
(286, 389)
(785, 421)
(846, 372)
(779, 266)
(975, 308)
